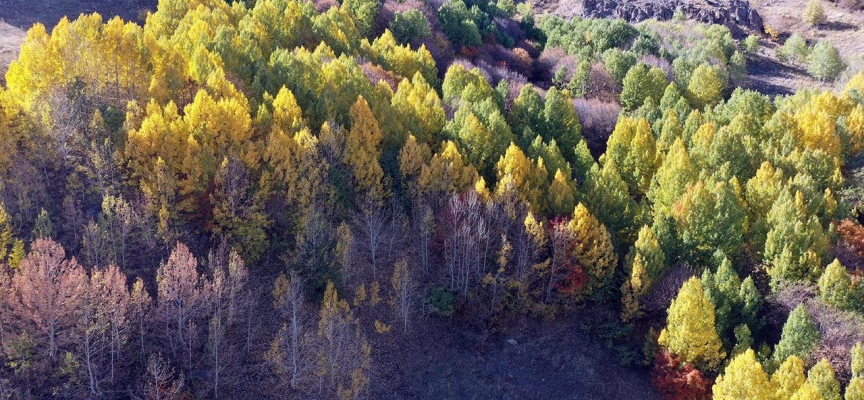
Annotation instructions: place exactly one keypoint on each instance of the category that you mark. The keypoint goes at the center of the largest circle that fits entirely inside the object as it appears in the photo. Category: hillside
(446, 199)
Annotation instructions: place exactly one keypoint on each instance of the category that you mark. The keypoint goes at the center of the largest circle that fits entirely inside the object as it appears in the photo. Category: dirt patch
(10, 46)
(25, 13)
(533, 360)
(845, 28)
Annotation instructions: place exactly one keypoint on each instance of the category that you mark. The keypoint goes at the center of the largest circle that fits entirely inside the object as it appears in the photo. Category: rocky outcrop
(732, 13)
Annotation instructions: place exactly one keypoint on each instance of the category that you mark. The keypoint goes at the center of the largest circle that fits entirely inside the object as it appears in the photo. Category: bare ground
(10, 46)
(532, 360)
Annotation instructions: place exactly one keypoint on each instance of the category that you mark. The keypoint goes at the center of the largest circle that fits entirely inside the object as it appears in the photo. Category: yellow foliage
(743, 379)
(594, 249)
(690, 332)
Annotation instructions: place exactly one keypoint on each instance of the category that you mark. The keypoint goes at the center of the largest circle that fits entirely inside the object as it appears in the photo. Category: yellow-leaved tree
(690, 331)
(363, 146)
(743, 379)
(593, 248)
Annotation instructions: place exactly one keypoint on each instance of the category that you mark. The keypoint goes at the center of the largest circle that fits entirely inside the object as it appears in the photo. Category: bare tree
(289, 352)
(372, 224)
(47, 290)
(464, 233)
(159, 381)
(344, 353)
(404, 288)
(139, 312)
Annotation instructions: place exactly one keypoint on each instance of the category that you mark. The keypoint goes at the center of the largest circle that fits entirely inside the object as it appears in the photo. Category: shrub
(675, 379)
(441, 301)
(825, 62)
(751, 44)
(794, 50)
(814, 14)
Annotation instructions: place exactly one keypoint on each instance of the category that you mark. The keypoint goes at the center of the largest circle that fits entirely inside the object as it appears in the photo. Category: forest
(265, 198)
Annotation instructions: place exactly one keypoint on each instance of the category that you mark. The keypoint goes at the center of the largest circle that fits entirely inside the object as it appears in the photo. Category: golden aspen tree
(788, 378)
(821, 377)
(363, 146)
(690, 330)
(807, 392)
(743, 379)
(673, 176)
(419, 108)
(633, 148)
(593, 247)
(562, 195)
(528, 178)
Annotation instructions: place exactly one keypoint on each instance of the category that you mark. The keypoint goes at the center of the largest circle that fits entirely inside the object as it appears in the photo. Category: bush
(751, 44)
(814, 14)
(441, 301)
(825, 62)
(794, 50)
(409, 25)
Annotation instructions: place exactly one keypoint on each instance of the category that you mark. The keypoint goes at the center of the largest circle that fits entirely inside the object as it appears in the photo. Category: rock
(512, 341)
(733, 13)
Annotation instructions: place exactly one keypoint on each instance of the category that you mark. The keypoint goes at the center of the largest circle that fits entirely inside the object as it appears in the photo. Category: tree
(409, 25)
(182, 300)
(633, 148)
(807, 392)
(364, 13)
(824, 62)
(238, 213)
(722, 289)
(798, 338)
(835, 286)
(289, 351)
(343, 354)
(857, 360)
(640, 83)
(593, 248)
(527, 178)
(690, 329)
(561, 123)
(709, 218)
(795, 244)
(814, 14)
(457, 24)
(363, 145)
(673, 177)
(821, 377)
(677, 379)
(160, 382)
(647, 264)
(706, 86)
(794, 49)
(788, 378)
(562, 195)
(404, 287)
(46, 291)
(855, 389)
(743, 379)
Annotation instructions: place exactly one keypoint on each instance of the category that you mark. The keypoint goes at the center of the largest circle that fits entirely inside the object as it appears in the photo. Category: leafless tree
(404, 292)
(139, 312)
(160, 382)
(372, 225)
(464, 235)
(289, 352)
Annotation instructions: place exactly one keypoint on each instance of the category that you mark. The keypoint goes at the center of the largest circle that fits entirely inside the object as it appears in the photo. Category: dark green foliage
(409, 25)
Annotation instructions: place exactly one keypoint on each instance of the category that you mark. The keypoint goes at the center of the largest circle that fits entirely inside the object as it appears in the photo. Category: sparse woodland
(257, 194)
